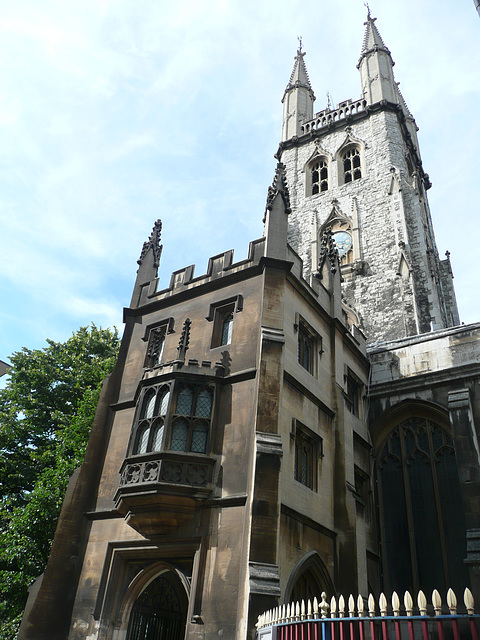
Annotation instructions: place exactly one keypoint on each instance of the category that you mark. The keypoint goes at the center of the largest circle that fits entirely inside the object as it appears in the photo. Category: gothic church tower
(357, 169)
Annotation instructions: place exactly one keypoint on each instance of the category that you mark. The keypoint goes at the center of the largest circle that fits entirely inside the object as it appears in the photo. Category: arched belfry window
(352, 165)
(423, 529)
(318, 176)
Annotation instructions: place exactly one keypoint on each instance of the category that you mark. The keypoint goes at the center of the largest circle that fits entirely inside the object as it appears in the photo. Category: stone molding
(270, 443)
(264, 579)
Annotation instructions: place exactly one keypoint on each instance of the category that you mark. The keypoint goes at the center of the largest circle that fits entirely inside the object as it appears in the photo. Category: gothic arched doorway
(160, 611)
(308, 579)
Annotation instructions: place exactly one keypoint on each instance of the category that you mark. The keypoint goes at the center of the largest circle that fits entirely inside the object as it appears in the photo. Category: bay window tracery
(178, 423)
(151, 422)
(191, 420)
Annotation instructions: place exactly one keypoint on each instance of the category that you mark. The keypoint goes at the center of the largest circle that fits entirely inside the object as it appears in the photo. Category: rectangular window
(222, 326)
(308, 450)
(222, 314)
(308, 345)
(155, 346)
(353, 394)
(155, 334)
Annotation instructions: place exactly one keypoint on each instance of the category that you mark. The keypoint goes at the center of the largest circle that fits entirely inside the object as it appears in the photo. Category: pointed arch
(177, 585)
(342, 232)
(317, 172)
(421, 517)
(350, 158)
(308, 579)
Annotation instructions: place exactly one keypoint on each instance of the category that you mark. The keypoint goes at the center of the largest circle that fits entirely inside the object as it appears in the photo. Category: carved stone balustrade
(163, 490)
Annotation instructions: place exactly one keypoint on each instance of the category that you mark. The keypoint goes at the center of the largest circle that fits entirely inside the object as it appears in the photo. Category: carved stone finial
(154, 243)
(299, 51)
(328, 251)
(184, 340)
(279, 185)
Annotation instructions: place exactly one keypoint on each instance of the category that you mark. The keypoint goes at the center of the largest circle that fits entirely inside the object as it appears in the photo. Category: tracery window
(422, 518)
(156, 335)
(319, 176)
(151, 423)
(178, 424)
(191, 419)
(352, 169)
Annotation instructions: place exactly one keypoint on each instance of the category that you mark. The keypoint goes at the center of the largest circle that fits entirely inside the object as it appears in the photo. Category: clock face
(343, 240)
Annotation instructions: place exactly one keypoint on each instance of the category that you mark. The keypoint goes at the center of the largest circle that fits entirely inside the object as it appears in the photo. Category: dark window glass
(351, 165)
(179, 435)
(307, 450)
(199, 438)
(305, 348)
(184, 402)
(422, 517)
(319, 177)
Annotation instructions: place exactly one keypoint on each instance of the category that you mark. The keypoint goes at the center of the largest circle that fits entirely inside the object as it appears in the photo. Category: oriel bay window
(191, 419)
(175, 417)
(149, 436)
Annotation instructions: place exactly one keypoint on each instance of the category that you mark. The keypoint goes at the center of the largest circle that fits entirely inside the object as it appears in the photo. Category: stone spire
(376, 67)
(298, 98)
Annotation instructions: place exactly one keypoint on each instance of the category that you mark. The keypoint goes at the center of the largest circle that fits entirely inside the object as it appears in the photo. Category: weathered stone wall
(394, 224)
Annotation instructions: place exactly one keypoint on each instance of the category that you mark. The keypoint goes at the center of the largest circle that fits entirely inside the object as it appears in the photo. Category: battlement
(218, 266)
(328, 116)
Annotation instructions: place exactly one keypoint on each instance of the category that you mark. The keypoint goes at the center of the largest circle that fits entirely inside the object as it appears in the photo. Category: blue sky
(115, 113)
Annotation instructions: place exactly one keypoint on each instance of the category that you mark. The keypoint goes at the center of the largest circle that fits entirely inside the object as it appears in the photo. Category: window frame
(165, 417)
(341, 160)
(302, 438)
(323, 175)
(148, 424)
(306, 334)
(219, 312)
(154, 332)
(353, 393)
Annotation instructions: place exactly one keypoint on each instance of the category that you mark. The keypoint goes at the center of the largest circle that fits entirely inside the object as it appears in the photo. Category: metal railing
(358, 620)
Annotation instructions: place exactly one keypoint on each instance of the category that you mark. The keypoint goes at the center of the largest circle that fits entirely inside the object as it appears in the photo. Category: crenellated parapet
(219, 266)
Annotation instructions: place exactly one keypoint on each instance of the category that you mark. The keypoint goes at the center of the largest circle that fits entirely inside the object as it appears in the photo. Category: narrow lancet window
(319, 177)
(351, 165)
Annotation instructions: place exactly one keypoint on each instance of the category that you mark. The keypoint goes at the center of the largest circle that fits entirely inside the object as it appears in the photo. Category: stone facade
(394, 279)
(250, 448)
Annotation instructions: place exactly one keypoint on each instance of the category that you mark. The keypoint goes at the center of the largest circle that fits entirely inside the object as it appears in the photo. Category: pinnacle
(299, 76)
(279, 185)
(372, 39)
(153, 243)
(328, 251)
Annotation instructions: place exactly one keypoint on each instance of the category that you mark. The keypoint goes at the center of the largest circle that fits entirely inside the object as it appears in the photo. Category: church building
(302, 421)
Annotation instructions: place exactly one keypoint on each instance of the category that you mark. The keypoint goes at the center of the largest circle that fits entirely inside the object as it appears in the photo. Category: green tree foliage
(46, 411)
